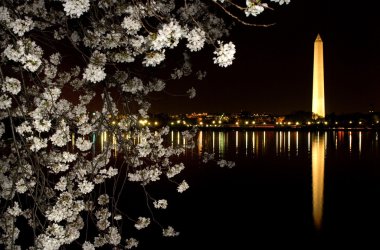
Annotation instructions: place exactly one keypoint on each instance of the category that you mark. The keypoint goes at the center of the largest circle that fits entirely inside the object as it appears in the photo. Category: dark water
(304, 190)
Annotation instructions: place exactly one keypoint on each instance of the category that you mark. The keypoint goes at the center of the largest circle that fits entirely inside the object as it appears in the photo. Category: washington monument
(318, 107)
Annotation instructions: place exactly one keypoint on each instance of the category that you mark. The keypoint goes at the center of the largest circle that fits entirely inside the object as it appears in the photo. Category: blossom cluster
(79, 73)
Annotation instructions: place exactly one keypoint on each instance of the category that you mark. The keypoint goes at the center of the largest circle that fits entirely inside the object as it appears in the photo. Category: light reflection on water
(318, 175)
(315, 152)
(256, 144)
(277, 143)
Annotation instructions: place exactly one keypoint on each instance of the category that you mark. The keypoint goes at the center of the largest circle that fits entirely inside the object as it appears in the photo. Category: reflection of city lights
(360, 142)
(200, 143)
(350, 141)
(297, 143)
(213, 142)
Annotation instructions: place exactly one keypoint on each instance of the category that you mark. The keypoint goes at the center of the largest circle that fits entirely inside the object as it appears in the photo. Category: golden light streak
(213, 142)
(200, 143)
(237, 141)
(264, 141)
(246, 143)
(350, 141)
(253, 143)
(277, 143)
(221, 143)
(360, 143)
(318, 172)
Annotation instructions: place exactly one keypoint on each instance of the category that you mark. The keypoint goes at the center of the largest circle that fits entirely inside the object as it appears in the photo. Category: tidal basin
(288, 188)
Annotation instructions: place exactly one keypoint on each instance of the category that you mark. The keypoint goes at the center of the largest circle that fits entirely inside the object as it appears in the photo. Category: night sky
(273, 69)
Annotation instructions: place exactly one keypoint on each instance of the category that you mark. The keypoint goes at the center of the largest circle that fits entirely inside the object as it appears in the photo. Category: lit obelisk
(318, 107)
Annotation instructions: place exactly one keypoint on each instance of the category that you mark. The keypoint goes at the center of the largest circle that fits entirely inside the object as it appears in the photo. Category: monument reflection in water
(285, 173)
(318, 175)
